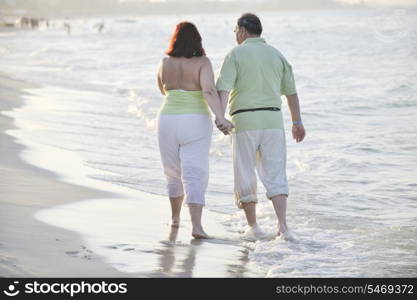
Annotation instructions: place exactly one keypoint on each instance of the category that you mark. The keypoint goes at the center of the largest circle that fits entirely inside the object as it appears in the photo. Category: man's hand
(298, 132)
(224, 125)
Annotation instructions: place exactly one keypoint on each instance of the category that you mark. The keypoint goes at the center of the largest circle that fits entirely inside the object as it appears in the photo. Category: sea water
(353, 180)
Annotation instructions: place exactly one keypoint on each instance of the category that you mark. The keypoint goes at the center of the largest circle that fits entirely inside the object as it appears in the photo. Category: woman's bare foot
(175, 222)
(199, 233)
(176, 203)
(173, 233)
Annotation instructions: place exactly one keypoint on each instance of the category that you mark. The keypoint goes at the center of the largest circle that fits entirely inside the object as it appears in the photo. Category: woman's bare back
(181, 73)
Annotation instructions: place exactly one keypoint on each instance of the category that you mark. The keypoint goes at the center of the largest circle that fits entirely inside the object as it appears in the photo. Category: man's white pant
(263, 150)
(184, 144)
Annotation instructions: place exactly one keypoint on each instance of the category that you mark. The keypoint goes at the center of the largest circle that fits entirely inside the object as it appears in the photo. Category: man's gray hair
(251, 22)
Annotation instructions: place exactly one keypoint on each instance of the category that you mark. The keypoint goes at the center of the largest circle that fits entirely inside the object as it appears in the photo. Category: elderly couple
(252, 79)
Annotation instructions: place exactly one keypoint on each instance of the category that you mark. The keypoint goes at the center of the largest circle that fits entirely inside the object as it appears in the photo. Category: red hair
(185, 41)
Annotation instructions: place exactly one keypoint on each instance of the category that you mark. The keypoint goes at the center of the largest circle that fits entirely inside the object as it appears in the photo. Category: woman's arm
(211, 95)
(159, 80)
(209, 89)
(224, 97)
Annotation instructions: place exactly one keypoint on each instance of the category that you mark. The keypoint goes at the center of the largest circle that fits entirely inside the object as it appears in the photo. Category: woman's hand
(224, 125)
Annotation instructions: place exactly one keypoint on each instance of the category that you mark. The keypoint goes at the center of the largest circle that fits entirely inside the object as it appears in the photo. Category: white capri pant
(265, 151)
(184, 144)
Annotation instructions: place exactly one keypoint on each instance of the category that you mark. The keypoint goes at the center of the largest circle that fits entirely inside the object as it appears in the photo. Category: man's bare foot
(254, 233)
(282, 229)
(199, 233)
(287, 235)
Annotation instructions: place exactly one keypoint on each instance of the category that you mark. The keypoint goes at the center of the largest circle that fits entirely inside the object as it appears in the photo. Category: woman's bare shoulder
(193, 63)
(203, 61)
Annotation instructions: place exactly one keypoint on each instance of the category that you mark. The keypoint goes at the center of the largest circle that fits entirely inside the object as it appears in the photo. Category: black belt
(254, 109)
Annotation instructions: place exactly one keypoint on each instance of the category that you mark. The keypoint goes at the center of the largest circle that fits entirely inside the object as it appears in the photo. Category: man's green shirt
(257, 75)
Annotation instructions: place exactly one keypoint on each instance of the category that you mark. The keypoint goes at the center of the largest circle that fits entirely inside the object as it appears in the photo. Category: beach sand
(30, 247)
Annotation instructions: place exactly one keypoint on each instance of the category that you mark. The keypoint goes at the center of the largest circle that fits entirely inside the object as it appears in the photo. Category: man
(256, 75)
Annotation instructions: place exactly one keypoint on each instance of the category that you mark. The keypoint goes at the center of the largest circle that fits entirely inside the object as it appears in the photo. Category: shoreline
(30, 247)
(58, 226)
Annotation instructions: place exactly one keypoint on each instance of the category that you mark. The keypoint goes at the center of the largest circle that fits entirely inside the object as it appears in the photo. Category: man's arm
(227, 78)
(294, 105)
(288, 89)
(298, 131)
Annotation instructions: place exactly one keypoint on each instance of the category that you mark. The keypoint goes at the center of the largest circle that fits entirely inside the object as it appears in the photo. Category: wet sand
(52, 228)
(29, 247)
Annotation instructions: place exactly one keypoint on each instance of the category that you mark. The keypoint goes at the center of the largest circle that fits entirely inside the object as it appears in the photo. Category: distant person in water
(67, 27)
(186, 79)
(24, 22)
(101, 27)
(34, 23)
(252, 79)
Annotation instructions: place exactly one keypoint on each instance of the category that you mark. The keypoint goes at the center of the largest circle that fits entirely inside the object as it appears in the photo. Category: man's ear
(244, 31)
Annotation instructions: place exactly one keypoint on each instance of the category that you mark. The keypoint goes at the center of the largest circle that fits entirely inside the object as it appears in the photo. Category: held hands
(223, 125)
(298, 132)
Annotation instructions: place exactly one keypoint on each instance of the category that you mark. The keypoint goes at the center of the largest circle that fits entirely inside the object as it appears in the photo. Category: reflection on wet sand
(133, 237)
(179, 260)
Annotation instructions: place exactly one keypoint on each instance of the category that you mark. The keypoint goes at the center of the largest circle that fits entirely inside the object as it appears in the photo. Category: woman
(185, 127)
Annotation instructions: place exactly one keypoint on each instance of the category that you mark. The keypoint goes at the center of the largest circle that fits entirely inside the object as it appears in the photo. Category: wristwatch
(297, 123)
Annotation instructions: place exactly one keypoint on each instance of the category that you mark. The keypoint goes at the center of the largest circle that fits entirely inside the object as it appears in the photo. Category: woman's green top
(184, 102)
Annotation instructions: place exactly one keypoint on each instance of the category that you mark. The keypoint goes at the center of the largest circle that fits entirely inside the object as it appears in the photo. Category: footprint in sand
(84, 253)
(123, 247)
(116, 246)
(129, 249)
